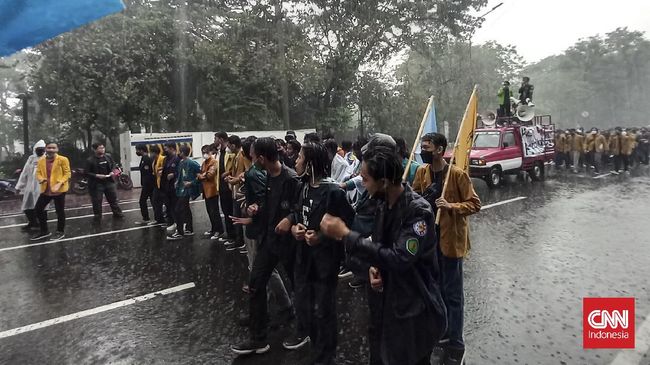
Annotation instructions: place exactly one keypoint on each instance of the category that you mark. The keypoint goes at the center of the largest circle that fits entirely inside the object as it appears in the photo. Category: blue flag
(430, 126)
(26, 23)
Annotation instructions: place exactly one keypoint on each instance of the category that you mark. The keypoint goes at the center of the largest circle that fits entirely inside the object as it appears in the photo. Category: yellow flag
(465, 138)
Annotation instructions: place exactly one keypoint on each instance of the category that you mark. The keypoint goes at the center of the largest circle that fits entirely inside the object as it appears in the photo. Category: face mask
(40, 152)
(228, 150)
(427, 156)
(206, 156)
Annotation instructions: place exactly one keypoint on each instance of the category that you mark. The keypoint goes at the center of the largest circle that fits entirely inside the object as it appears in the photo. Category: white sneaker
(171, 228)
(207, 234)
(215, 237)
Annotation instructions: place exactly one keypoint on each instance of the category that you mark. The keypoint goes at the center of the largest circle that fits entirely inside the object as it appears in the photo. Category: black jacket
(93, 168)
(254, 193)
(324, 259)
(147, 176)
(271, 215)
(413, 311)
(169, 167)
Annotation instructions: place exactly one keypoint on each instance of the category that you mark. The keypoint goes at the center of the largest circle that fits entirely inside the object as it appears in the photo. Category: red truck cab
(510, 147)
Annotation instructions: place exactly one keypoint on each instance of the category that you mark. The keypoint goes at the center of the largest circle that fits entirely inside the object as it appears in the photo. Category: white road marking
(81, 216)
(500, 203)
(603, 175)
(85, 206)
(75, 238)
(642, 342)
(90, 312)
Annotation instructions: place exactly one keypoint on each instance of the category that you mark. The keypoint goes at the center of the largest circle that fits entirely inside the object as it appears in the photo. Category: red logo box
(608, 323)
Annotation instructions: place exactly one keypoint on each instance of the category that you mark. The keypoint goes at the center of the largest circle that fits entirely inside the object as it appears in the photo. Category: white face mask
(206, 156)
(228, 150)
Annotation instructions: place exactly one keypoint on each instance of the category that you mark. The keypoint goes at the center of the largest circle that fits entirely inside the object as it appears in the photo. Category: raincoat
(27, 182)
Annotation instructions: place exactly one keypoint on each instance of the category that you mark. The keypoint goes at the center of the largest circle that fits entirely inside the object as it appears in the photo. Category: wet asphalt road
(532, 262)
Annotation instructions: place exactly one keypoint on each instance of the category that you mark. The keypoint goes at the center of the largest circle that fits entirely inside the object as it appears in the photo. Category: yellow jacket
(578, 143)
(615, 144)
(601, 144)
(590, 143)
(560, 142)
(158, 165)
(454, 228)
(628, 144)
(568, 144)
(60, 174)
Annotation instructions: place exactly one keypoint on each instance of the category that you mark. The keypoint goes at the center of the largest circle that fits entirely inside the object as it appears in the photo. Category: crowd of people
(319, 210)
(599, 149)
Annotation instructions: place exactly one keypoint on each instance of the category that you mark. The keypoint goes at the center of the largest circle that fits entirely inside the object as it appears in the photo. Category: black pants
(212, 207)
(375, 306)
(157, 201)
(169, 201)
(32, 221)
(621, 160)
(315, 304)
(104, 189)
(41, 214)
(183, 215)
(146, 193)
(225, 197)
(266, 260)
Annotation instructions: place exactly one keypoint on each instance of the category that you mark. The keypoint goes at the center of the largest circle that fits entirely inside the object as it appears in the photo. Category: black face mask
(427, 156)
(40, 152)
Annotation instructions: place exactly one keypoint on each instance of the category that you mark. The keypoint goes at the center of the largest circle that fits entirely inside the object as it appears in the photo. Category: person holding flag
(449, 189)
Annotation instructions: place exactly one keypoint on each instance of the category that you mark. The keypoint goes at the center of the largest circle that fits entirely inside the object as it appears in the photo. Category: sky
(541, 28)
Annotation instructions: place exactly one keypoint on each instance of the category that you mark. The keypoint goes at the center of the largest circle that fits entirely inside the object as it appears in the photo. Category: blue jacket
(187, 171)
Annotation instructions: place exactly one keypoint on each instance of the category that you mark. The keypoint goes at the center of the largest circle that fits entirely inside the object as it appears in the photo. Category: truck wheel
(494, 179)
(537, 172)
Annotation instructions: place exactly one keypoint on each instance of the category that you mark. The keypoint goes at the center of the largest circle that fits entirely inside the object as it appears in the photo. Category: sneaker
(189, 233)
(454, 356)
(356, 283)
(215, 237)
(235, 246)
(57, 236)
(143, 223)
(251, 347)
(294, 343)
(344, 273)
(243, 251)
(40, 236)
(171, 228)
(175, 237)
(208, 234)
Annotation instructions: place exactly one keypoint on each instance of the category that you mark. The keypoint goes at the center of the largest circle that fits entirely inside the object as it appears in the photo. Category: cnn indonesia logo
(608, 323)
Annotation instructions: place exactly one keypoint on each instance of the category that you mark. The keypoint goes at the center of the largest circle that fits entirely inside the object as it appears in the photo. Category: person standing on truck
(459, 202)
(504, 95)
(526, 91)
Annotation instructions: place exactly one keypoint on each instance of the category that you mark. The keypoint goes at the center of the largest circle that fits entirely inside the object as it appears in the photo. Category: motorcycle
(79, 181)
(8, 186)
(123, 180)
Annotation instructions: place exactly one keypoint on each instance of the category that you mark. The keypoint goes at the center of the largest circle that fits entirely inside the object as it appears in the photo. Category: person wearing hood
(28, 184)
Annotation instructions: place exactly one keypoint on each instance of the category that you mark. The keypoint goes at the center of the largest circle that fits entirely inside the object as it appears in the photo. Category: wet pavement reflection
(532, 262)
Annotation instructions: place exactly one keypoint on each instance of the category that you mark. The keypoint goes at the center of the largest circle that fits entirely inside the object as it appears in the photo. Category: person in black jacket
(318, 257)
(168, 183)
(99, 169)
(147, 182)
(275, 242)
(403, 264)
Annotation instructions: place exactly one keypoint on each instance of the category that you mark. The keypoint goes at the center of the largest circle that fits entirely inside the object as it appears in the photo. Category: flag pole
(407, 168)
(453, 155)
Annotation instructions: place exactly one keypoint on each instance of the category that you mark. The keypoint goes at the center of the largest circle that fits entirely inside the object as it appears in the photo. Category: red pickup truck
(510, 147)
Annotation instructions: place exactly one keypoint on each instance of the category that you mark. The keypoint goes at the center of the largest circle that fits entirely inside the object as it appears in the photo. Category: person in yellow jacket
(590, 148)
(601, 147)
(225, 162)
(53, 174)
(560, 145)
(615, 149)
(577, 149)
(628, 145)
(458, 203)
(158, 195)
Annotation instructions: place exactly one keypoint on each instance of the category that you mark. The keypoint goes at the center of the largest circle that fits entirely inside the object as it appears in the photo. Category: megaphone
(525, 113)
(489, 118)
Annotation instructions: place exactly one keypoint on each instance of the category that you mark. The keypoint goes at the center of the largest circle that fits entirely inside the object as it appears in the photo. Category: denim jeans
(451, 284)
